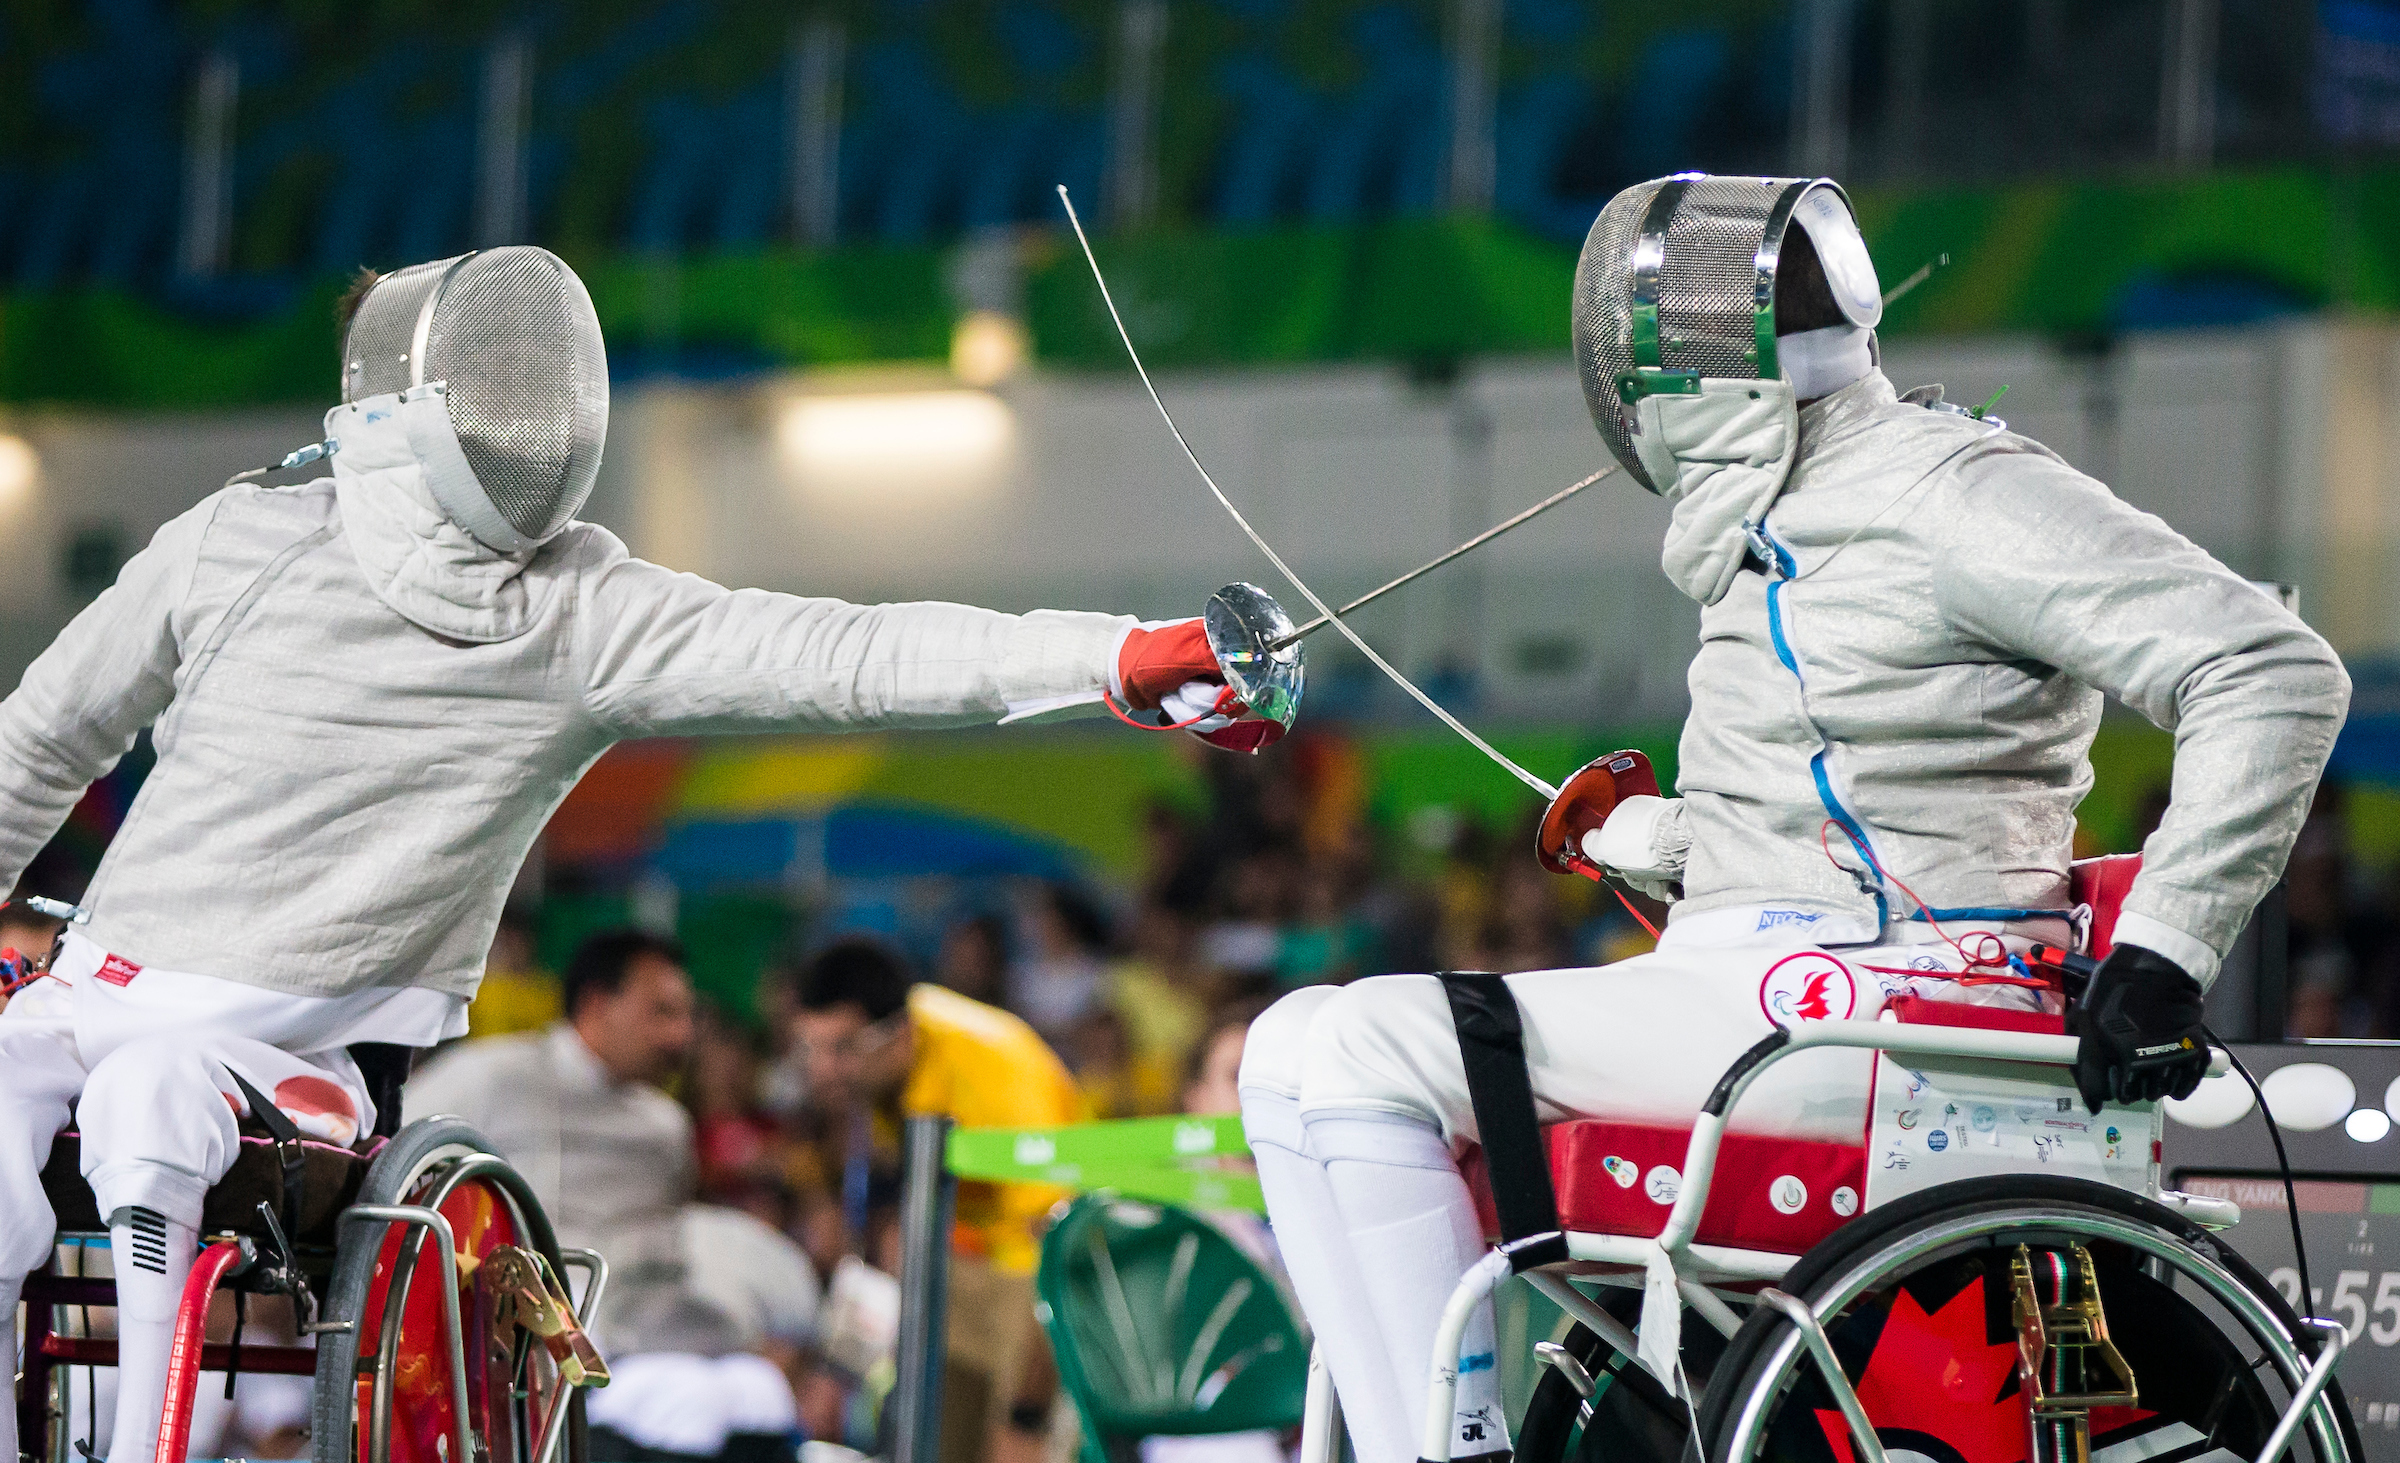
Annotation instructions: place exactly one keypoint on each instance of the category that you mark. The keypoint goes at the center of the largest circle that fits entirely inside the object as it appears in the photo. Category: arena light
(2308, 1096)
(2218, 1102)
(885, 434)
(2367, 1125)
(20, 467)
(987, 347)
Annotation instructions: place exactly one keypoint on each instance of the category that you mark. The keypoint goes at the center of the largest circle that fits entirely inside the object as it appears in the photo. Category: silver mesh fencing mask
(511, 337)
(1677, 284)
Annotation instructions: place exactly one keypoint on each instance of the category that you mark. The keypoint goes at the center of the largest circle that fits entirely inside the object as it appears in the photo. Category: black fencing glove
(2140, 1025)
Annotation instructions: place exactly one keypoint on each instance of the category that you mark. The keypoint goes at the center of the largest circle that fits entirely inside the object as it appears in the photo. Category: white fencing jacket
(363, 717)
(1921, 667)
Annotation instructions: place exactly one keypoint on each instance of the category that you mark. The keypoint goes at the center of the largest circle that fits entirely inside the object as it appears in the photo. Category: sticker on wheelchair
(1936, 1121)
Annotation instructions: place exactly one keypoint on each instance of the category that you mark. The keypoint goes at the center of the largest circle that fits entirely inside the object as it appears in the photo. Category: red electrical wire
(1602, 880)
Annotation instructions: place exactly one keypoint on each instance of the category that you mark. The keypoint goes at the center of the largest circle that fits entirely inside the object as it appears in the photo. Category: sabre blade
(1924, 273)
(1404, 683)
(1485, 537)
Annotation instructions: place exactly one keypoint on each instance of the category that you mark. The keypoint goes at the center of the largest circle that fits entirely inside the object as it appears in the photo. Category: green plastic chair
(1162, 1326)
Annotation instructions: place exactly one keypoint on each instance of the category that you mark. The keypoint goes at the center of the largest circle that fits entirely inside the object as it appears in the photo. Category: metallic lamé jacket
(1919, 674)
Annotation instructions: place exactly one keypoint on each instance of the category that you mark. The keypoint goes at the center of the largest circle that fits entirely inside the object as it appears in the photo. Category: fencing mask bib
(510, 338)
(1677, 287)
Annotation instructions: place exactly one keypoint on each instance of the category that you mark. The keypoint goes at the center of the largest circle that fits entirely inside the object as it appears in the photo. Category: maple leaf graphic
(1936, 1375)
(1813, 1005)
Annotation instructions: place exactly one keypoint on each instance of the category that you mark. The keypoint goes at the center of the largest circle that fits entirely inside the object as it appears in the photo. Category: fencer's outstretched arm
(667, 653)
(110, 673)
(2038, 562)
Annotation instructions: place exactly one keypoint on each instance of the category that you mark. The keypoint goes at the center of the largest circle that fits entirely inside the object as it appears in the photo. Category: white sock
(153, 1256)
(1409, 1223)
(12, 1288)
(1333, 1291)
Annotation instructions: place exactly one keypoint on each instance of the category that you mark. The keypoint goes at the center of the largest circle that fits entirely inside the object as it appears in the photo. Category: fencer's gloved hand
(1645, 842)
(1155, 661)
(2140, 1027)
(1218, 720)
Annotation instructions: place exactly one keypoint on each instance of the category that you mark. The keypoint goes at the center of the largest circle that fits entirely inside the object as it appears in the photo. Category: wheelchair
(1991, 1274)
(427, 1284)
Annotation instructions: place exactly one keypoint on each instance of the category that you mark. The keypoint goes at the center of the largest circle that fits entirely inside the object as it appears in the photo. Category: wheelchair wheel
(1917, 1302)
(383, 1390)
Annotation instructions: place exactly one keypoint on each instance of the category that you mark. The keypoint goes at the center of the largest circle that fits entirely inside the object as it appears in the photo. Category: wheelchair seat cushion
(1777, 1194)
(329, 1184)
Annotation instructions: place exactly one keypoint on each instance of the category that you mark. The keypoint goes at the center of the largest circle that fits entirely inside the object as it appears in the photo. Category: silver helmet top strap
(1649, 253)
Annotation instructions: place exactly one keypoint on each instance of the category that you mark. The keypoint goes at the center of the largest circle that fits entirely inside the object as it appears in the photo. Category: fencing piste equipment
(508, 344)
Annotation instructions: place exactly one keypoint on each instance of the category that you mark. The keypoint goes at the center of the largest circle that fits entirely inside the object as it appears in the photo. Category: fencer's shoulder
(582, 548)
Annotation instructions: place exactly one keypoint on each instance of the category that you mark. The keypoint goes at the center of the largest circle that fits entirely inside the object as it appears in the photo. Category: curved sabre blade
(1404, 683)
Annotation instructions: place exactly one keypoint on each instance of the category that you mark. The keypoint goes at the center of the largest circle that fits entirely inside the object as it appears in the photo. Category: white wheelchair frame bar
(1678, 1272)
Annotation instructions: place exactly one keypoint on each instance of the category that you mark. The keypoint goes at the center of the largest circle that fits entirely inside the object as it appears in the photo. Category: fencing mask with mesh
(1696, 285)
(509, 339)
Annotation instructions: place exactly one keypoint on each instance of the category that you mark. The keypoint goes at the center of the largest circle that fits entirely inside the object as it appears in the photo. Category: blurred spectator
(1157, 990)
(735, 1137)
(1245, 941)
(1058, 978)
(1211, 1089)
(2323, 972)
(705, 1305)
(516, 994)
(1118, 1081)
(1327, 944)
(974, 959)
(880, 1047)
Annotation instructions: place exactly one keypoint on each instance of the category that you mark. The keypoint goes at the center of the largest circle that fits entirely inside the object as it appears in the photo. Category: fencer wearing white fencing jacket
(1909, 618)
(368, 693)
(1923, 663)
(364, 715)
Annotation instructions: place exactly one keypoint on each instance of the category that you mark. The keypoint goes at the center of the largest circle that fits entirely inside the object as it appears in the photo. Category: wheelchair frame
(46, 1354)
(1677, 1272)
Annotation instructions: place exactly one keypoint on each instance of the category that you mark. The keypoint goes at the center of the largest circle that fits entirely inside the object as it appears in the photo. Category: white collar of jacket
(1724, 457)
(1820, 362)
(397, 455)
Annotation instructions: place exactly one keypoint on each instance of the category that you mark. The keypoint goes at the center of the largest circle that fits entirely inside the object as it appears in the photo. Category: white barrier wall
(2276, 447)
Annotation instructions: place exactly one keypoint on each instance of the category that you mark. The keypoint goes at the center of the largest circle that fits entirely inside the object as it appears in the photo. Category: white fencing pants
(1643, 1040)
(143, 1062)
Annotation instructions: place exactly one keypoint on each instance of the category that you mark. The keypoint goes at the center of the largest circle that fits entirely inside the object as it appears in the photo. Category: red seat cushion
(2102, 883)
(1919, 1011)
(1780, 1194)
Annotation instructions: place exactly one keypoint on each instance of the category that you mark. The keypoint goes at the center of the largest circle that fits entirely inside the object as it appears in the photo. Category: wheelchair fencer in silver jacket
(1909, 618)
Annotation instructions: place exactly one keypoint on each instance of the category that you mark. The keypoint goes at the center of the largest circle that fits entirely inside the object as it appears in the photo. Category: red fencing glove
(1154, 662)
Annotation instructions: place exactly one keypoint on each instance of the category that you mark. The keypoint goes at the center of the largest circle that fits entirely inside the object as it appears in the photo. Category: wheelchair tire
(2214, 1349)
(1630, 1418)
(416, 1154)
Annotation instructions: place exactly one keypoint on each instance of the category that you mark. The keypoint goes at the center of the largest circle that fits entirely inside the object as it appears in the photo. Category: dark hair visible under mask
(864, 973)
(353, 295)
(1803, 299)
(601, 963)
